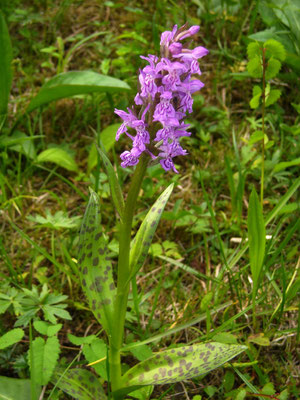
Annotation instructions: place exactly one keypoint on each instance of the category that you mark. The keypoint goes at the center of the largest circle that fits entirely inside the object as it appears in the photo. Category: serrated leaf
(46, 329)
(273, 67)
(256, 137)
(43, 357)
(5, 65)
(95, 265)
(144, 236)
(11, 337)
(80, 384)
(256, 236)
(253, 50)
(272, 97)
(115, 189)
(268, 389)
(95, 351)
(59, 157)
(142, 352)
(256, 95)
(284, 395)
(178, 364)
(275, 49)
(74, 83)
(78, 341)
(254, 67)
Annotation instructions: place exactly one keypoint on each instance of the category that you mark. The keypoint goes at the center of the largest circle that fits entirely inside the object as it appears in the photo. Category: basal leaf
(58, 156)
(253, 50)
(256, 236)
(80, 384)
(5, 65)
(275, 49)
(273, 67)
(74, 83)
(254, 67)
(44, 358)
(272, 97)
(115, 189)
(178, 364)
(144, 236)
(95, 265)
(11, 337)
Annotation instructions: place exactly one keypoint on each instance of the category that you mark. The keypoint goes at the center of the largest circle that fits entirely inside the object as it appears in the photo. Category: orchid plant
(155, 125)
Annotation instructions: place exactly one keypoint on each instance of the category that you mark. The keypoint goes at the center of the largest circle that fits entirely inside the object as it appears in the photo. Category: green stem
(120, 305)
(263, 128)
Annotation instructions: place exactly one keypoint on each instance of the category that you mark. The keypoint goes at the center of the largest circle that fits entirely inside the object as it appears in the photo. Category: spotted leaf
(178, 364)
(143, 238)
(80, 384)
(95, 265)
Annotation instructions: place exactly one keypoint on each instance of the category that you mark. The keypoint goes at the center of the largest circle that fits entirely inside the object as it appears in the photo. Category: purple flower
(165, 97)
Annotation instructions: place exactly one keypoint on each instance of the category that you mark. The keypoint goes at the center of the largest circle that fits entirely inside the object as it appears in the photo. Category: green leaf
(108, 136)
(5, 65)
(272, 97)
(46, 329)
(286, 164)
(258, 136)
(257, 237)
(254, 67)
(78, 341)
(15, 389)
(44, 358)
(284, 395)
(142, 352)
(143, 238)
(11, 337)
(268, 389)
(74, 83)
(254, 49)
(95, 266)
(256, 95)
(115, 189)
(275, 49)
(273, 67)
(95, 351)
(80, 384)
(58, 156)
(177, 364)
(259, 339)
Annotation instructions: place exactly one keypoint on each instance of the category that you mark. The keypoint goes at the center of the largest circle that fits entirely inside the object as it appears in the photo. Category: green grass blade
(5, 65)
(257, 238)
(95, 266)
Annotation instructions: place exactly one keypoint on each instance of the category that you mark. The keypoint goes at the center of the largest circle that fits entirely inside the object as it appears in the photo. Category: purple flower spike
(165, 97)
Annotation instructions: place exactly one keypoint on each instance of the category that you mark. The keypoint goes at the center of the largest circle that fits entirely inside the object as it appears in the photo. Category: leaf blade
(186, 362)
(256, 236)
(73, 83)
(95, 266)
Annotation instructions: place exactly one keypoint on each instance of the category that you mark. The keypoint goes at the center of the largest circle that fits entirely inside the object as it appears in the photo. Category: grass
(196, 276)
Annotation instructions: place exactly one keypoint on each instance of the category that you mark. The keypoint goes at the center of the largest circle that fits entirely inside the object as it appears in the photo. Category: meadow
(161, 278)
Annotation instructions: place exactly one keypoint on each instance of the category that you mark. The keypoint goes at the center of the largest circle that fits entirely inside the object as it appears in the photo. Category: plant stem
(120, 305)
(263, 127)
